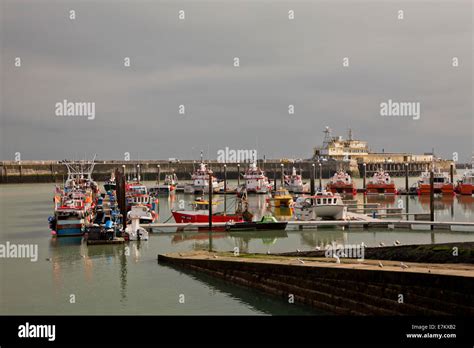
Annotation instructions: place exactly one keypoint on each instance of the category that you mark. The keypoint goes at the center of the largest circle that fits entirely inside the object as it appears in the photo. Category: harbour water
(73, 278)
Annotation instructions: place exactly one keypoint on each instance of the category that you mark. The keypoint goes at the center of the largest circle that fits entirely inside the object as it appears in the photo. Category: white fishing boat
(255, 180)
(294, 182)
(200, 184)
(169, 186)
(133, 230)
(324, 204)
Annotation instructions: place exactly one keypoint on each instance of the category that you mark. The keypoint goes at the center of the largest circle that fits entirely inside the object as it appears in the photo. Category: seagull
(403, 265)
(382, 244)
(298, 250)
(338, 260)
(396, 242)
(380, 264)
(317, 248)
(301, 261)
(215, 256)
(268, 252)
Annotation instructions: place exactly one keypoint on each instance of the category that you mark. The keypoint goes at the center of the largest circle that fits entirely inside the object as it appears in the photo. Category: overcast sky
(190, 62)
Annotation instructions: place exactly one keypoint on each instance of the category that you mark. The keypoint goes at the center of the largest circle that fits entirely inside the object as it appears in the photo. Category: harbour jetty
(347, 287)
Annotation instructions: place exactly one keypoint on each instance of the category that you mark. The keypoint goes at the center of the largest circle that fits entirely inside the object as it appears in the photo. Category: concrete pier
(350, 287)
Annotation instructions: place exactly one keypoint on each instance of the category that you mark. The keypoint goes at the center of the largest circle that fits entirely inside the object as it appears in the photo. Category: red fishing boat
(341, 182)
(441, 183)
(381, 183)
(200, 213)
(465, 186)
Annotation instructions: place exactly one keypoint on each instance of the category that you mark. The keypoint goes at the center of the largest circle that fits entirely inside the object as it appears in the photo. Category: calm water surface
(104, 280)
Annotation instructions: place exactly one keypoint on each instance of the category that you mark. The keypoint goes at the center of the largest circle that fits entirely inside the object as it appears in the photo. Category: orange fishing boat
(441, 183)
(381, 183)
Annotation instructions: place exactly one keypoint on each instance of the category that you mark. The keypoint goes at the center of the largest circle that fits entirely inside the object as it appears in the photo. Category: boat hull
(252, 226)
(196, 217)
(342, 188)
(425, 189)
(69, 228)
(381, 189)
(465, 189)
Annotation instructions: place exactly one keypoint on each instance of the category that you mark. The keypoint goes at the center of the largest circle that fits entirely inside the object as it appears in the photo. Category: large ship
(255, 180)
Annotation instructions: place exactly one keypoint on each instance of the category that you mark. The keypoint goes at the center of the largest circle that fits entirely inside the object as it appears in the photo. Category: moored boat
(324, 204)
(200, 213)
(200, 184)
(341, 182)
(381, 183)
(255, 180)
(282, 198)
(74, 203)
(266, 223)
(294, 182)
(465, 185)
(169, 186)
(441, 183)
(134, 231)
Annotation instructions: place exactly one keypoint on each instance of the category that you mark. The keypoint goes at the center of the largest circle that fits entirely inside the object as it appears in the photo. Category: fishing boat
(281, 198)
(110, 185)
(266, 223)
(200, 213)
(294, 182)
(72, 212)
(381, 183)
(136, 193)
(441, 183)
(465, 185)
(200, 182)
(134, 231)
(169, 185)
(255, 180)
(341, 182)
(147, 216)
(74, 203)
(324, 204)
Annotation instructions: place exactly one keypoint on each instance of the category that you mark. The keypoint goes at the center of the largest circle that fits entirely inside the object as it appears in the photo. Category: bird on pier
(403, 265)
(380, 264)
(215, 256)
(396, 242)
(317, 248)
(298, 250)
(338, 260)
(382, 244)
(301, 261)
(268, 252)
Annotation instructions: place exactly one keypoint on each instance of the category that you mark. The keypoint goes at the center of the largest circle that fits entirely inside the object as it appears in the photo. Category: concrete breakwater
(54, 171)
(349, 288)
